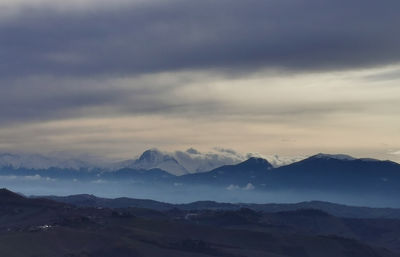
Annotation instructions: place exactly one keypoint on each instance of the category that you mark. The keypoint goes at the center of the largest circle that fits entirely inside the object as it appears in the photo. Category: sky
(287, 77)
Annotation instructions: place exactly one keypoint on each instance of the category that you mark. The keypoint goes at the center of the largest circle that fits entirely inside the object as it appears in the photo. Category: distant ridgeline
(327, 174)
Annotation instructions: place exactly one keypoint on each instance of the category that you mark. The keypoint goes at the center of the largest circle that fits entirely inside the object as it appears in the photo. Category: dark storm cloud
(46, 98)
(187, 34)
(61, 64)
(42, 103)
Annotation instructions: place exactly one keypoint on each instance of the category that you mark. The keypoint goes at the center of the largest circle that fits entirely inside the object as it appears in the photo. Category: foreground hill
(37, 227)
(373, 225)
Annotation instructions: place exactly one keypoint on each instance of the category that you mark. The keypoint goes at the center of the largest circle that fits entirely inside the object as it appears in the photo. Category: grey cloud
(224, 150)
(75, 55)
(39, 102)
(395, 152)
(384, 76)
(47, 98)
(231, 35)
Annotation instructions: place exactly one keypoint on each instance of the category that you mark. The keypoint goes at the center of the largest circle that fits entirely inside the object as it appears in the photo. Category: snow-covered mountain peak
(195, 161)
(153, 156)
(343, 157)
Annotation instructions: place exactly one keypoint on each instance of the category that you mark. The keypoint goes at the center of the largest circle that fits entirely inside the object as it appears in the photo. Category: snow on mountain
(36, 161)
(277, 160)
(194, 161)
(176, 162)
(182, 162)
(342, 157)
(154, 158)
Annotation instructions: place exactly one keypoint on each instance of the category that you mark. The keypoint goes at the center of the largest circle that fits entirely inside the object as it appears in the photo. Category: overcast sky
(287, 77)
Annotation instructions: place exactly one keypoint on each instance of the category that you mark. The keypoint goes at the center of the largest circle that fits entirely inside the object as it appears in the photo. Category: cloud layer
(180, 34)
(118, 78)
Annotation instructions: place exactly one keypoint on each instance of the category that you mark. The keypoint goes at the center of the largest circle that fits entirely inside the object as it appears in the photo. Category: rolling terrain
(42, 227)
(338, 210)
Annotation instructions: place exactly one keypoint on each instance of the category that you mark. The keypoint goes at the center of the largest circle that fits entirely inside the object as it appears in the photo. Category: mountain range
(177, 162)
(324, 177)
(321, 171)
(37, 161)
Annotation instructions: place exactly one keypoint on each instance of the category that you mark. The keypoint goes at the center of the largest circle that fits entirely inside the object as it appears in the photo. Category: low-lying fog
(179, 193)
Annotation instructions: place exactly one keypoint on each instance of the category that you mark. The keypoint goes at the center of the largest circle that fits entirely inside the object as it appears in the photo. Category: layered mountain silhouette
(338, 210)
(43, 227)
(177, 162)
(243, 173)
(182, 162)
(323, 177)
(333, 172)
(337, 178)
(318, 172)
